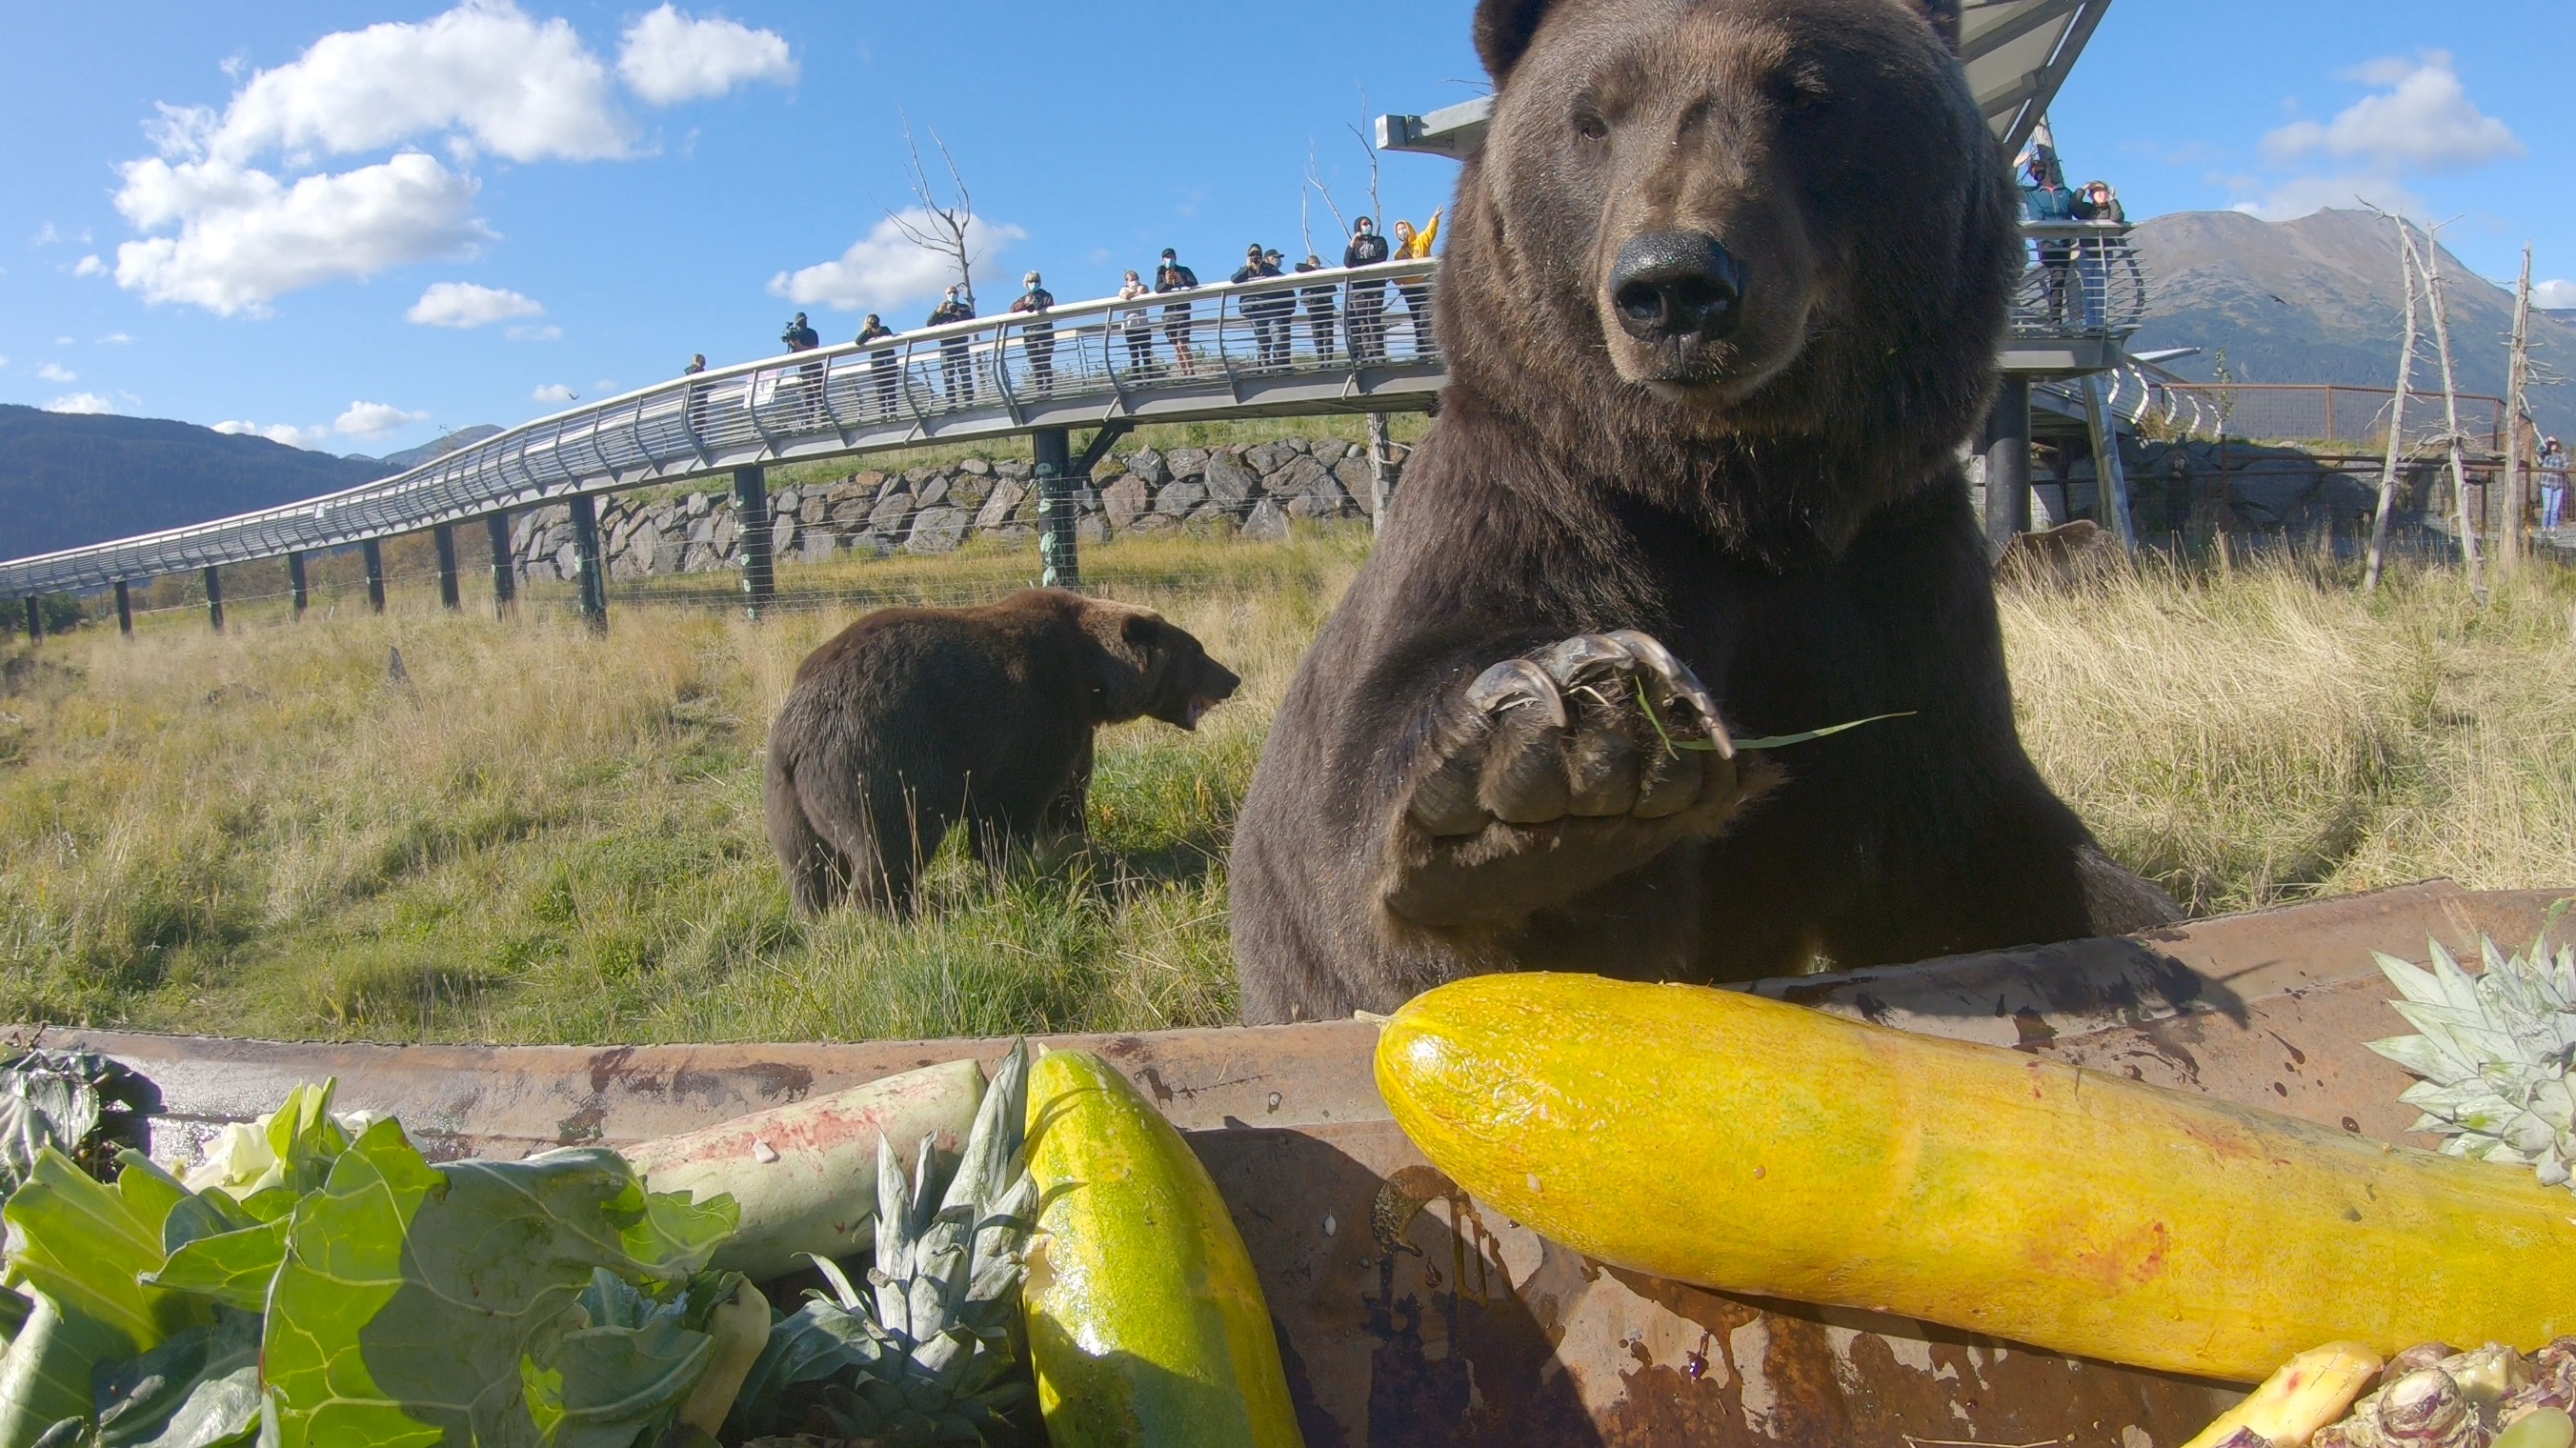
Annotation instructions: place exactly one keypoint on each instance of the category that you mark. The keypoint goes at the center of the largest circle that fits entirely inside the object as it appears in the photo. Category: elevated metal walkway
(1336, 341)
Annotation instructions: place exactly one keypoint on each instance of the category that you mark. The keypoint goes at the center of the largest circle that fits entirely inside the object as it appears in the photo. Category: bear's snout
(1215, 684)
(1676, 286)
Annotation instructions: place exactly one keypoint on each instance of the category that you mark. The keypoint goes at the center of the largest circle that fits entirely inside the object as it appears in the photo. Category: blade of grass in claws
(1768, 741)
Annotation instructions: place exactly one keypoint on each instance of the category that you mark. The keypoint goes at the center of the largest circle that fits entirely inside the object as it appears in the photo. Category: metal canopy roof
(2018, 54)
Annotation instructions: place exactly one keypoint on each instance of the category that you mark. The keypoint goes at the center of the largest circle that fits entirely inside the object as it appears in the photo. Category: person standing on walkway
(1411, 245)
(1137, 324)
(2553, 485)
(956, 367)
(881, 364)
(1366, 305)
(801, 337)
(1170, 277)
(1269, 343)
(2044, 198)
(1319, 309)
(697, 398)
(1037, 339)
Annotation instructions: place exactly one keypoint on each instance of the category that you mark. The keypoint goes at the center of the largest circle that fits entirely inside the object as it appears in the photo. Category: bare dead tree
(2517, 407)
(2396, 416)
(947, 226)
(2429, 261)
(1368, 148)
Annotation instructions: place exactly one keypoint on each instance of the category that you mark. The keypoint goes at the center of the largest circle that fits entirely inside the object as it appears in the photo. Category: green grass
(539, 835)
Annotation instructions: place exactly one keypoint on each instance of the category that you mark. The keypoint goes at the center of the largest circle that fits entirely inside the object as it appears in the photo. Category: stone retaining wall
(1253, 490)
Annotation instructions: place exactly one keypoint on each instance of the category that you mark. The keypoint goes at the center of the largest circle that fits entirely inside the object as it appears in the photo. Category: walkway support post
(1381, 449)
(2008, 464)
(505, 570)
(374, 552)
(593, 579)
(215, 597)
(124, 609)
(35, 618)
(443, 537)
(751, 536)
(1059, 558)
(295, 582)
(2110, 476)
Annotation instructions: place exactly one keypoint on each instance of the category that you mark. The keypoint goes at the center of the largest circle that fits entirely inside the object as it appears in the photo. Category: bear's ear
(1141, 631)
(1503, 31)
(1942, 16)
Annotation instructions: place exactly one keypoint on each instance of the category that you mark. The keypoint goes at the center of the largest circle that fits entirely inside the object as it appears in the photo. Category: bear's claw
(1577, 728)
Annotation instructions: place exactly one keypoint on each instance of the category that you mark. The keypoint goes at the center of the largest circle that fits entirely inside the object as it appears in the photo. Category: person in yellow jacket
(1411, 245)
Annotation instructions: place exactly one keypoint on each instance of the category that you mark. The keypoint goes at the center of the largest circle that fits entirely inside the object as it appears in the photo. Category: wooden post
(1381, 459)
(124, 610)
(443, 537)
(2008, 464)
(593, 578)
(505, 568)
(215, 597)
(751, 536)
(2396, 419)
(35, 618)
(374, 552)
(1059, 557)
(295, 582)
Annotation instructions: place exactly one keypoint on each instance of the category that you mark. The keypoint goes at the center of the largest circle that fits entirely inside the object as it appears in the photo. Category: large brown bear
(1721, 302)
(913, 719)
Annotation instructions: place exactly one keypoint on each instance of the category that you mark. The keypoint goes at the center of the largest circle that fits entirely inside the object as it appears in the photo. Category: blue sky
(350, 225)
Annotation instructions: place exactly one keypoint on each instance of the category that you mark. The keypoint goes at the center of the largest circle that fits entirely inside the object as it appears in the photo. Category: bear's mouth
(1196, 709)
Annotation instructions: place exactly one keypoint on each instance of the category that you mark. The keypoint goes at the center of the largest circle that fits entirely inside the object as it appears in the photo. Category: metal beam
(2008, 464)
(215, 597)
(593, 577)
(374, 553)
(35, 618)
(505, 567)
(1059, 556)
(443, 538)
(124, 610)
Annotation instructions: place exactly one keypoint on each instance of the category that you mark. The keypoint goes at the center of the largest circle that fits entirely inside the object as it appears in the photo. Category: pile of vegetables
(2429, 1396)
(317, 1280)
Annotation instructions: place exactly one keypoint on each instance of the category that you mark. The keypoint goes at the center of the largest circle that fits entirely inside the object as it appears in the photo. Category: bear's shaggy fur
(1764, 520)
(913, 719)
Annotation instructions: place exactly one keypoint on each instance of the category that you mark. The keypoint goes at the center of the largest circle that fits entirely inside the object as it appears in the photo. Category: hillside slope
(69, 479)
(2317, 300)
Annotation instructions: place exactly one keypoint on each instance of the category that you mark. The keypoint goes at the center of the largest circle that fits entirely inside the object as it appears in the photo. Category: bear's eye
(1798, 91)
(1590, 126)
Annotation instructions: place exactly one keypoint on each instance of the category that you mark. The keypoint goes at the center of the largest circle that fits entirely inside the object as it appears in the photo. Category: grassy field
(533, 834)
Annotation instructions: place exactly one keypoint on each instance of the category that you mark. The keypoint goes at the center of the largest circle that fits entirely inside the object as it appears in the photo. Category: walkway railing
(1331, 341)
(2082, 279)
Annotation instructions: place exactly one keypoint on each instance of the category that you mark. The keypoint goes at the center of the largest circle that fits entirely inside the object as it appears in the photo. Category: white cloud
(554, 392)
(2420, 119)
(463, 304)
(89, 266)
(4, 361)
(56, 372)
(246, 238)
(285, 432)
(547, 333)
(83, 402)
(885, 267)
(114, 339)
(511, 85)
(669, 57)
(2555, 295)
(368, 419)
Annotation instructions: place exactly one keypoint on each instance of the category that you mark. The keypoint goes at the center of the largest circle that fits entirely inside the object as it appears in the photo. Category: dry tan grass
(540, 835)
(2268, 733)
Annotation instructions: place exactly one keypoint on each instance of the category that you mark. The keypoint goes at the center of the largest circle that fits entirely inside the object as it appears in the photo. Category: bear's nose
(1671, 285)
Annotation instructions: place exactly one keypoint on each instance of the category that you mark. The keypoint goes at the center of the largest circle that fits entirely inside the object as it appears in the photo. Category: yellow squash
(1743, 1144)
(1146, 1323)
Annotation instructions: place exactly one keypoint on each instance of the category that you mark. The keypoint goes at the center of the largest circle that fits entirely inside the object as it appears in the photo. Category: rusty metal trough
(1409, 1316)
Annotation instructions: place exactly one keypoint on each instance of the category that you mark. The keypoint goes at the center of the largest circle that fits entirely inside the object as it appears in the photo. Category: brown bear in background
(1722, 300)
(913, 719)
